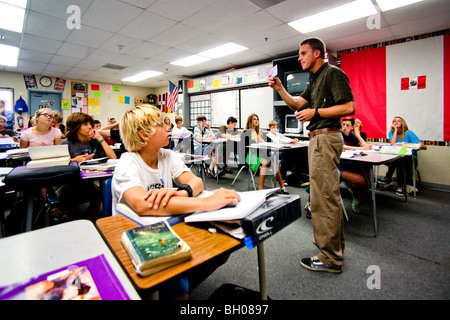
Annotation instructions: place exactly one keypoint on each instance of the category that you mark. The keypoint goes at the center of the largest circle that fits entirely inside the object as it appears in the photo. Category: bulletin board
(79, 94)
(258, 101)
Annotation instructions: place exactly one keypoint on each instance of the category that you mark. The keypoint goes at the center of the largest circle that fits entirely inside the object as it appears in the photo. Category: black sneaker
(384, 180)
(400, 192)
(314, 264)
(226, 169)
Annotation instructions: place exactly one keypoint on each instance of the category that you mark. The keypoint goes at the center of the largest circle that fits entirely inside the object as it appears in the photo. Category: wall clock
(45, 81)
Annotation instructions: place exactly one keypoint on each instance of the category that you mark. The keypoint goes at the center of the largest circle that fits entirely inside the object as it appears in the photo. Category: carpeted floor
(411, 253)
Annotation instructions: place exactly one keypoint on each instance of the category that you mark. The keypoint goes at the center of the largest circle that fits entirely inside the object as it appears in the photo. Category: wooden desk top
(204, 246)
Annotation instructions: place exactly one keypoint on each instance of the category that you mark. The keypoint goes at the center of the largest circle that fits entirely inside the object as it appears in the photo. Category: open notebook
(48, 156)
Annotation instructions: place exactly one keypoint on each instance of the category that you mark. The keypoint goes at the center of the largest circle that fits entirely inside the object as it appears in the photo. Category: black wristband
(187, 188)
(316, 114)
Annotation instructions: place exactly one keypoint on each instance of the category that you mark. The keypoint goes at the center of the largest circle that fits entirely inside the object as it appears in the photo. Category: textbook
(48, 156)
(250, 201)
(147, 220)
(154, 248)
(106, 166)
(91, 279)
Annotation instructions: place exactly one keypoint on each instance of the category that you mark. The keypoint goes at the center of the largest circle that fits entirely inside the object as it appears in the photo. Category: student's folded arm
(135, 198)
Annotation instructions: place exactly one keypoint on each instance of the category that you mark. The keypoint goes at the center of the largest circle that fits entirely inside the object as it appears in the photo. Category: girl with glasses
(43, 134)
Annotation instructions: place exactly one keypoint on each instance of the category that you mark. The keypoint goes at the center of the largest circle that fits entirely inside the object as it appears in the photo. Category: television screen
(296, 82)
(292, 125)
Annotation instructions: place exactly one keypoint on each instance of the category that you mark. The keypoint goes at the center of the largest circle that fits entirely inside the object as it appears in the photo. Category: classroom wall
(109, 102)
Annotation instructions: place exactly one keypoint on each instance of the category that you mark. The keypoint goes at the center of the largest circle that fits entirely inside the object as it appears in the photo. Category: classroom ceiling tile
(110, 15)
(42, 25)
(88, 36)
(146, 25)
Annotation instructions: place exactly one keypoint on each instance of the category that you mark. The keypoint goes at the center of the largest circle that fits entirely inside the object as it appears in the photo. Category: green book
(154, 247)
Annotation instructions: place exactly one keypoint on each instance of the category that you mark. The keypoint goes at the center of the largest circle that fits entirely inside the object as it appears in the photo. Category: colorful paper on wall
(65, 104)
(95, 87)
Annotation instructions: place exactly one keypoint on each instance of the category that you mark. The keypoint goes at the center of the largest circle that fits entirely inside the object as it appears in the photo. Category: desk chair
(107, 198)
(244, 150)
(28, 181)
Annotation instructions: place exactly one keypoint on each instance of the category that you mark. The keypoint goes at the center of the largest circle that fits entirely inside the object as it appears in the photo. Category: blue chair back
(107, 198)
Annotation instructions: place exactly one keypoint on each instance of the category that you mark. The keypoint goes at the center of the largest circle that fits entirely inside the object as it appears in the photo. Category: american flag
(172, 98)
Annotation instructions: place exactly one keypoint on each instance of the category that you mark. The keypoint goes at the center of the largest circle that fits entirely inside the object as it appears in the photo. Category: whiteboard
(260, 102)
(224, 105)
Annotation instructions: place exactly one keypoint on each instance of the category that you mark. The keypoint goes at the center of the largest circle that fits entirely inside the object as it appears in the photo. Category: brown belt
(320, 131)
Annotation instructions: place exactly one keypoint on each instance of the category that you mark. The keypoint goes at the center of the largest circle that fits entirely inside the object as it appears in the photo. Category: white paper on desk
(250, 201)
(7, 141)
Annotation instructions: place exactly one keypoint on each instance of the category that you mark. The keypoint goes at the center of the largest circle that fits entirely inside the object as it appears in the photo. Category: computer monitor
(292, 125)
(296, 82)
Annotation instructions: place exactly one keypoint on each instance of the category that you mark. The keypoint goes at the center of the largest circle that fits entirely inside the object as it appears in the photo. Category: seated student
(111, 132)
(179, 129)
(254, 161)
(97, 125)
(277, 137)
(228, 131)
(357, 129)
(84, 143)
(4, 132)
(168, 123)
(8, 114)
(203, 132)
(182, 143)
(31, 122)
(144, 177)
(353, 174)
(400, 134)
(57, 121)
(43, 134)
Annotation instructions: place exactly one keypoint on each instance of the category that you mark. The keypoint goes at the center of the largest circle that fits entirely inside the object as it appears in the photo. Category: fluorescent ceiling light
(17, 3)
(8, 55)
(345, 13)
(386, 5)
(142, 76)
(189, 61)
(223, 50)
(12, 16)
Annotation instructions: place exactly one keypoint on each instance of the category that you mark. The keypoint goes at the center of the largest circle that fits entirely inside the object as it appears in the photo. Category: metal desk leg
(414, 175)
(262, 272)
(404, 179)
(30, 203)
(374, 205)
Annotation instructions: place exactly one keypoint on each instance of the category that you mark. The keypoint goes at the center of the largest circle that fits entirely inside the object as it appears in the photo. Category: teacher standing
(327, 98)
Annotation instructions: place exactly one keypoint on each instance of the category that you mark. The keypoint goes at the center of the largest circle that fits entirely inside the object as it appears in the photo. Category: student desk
(270, 148)
(266, 221)
(204, 246)
(37, 252)
(373, 159)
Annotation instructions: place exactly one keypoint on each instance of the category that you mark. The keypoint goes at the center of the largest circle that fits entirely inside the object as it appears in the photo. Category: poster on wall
(60, 84)
(30, 82)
